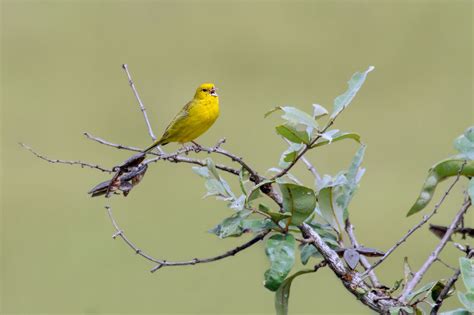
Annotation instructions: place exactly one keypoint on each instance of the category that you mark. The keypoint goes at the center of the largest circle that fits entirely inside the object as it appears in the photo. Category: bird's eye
(204, 90)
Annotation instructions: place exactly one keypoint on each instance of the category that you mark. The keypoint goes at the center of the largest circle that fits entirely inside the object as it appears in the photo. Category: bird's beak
(213, 91)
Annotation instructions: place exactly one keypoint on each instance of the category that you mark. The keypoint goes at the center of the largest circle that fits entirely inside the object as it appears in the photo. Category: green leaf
(299, 200)
(292, 134)
(283, 293)
(459, 311)
(436, 290)
(470, 189)
(290, 154)
(319, 111)
(254, 192)
(465, 143)
(467, 271)
(338, 137)
(257, 225)
(396, 310)
(467, 299)
(215, 185)
(355, 83)
(276, 216)
(231, 226)
(294, 116)
(438, 173)
(353, 176)
(307, 251)
(329, 210)
(424, 289)
(244, 178)
(280, 250)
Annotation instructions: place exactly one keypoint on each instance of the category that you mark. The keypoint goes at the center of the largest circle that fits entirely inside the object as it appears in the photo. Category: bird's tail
(155, 144)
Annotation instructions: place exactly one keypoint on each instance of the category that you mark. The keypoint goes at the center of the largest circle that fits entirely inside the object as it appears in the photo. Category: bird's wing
(183, 113)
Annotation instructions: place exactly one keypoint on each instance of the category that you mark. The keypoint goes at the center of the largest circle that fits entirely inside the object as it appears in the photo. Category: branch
(57, 161)
(364, 262)
(171, 157)
(449, 284)
(351, 280)
(164, 263)
(425, 219)
(140, 103)
(308, 146)
(434, 255)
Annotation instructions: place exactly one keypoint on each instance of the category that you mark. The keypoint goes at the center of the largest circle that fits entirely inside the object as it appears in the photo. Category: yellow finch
(194, 119)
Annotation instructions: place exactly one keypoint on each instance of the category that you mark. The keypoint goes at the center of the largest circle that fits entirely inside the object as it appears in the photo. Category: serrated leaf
(282, 295)
(355, 83)
(438, 173)
(292, 134)
(465, 143)
(467, 299)
(338, 137)
(319, 111)
(467, 271)
(280, 250)
(299, 200)
(351, 257)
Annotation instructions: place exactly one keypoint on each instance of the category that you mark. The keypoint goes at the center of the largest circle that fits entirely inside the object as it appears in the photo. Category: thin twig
(165, 263)
(425, 219)
(140, 103)
(434, 255)
(57, 161)
(447, 287)
(171, 157)
(308, 164)
(364, 262)
(445, 264)
(308, 146)
(351, 280)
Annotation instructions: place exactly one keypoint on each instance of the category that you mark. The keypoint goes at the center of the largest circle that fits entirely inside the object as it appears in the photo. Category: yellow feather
(194, 119)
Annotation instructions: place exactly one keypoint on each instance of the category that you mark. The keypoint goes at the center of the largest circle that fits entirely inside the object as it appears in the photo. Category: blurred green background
(61, 76)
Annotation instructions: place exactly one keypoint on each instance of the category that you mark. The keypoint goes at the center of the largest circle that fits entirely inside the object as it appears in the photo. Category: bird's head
(206, 90)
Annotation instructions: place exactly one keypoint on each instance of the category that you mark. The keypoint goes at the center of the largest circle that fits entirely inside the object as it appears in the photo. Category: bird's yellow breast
(200, 116)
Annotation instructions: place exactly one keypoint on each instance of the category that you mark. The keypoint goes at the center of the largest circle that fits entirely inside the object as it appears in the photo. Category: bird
(196, 117)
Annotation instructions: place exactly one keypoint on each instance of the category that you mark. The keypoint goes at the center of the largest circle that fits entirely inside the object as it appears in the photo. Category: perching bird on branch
(194, 119)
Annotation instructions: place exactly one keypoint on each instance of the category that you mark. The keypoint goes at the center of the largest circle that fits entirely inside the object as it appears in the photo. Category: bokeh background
(61, 76)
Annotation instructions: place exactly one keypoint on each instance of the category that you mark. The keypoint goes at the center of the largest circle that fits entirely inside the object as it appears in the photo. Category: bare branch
(57, 161)
(425, 219)
(376, 300)
(434, 255)
(164, 263)
(140, 103)
(365, 263)
(449, 284)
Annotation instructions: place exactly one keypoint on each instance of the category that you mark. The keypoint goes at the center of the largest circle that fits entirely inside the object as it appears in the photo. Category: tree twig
(140, 103)
(434, 255)
(445, 291)
(425, 219)
(57, 161)
(364, 262)
(351, 280)
(165, 263)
